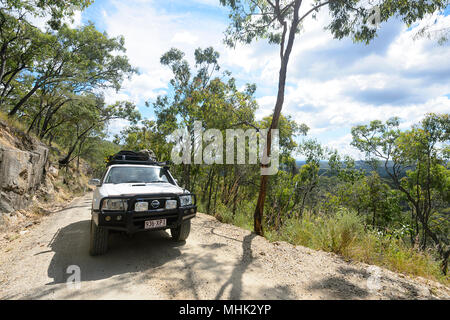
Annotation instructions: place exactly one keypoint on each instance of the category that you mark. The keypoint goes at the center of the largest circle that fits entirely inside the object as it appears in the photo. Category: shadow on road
(140, 252)
(336, 287)
(235, 280)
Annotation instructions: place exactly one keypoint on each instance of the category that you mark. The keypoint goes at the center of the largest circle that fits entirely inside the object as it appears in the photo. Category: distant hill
(359, 165)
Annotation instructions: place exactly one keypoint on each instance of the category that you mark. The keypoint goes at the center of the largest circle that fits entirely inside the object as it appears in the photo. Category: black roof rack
(132, 157)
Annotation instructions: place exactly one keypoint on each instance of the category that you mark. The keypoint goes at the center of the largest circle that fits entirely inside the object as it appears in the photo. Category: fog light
(119, 218)
(192, 210)
(142, 206)
(186, 211)
(171, 204)
(108, 218)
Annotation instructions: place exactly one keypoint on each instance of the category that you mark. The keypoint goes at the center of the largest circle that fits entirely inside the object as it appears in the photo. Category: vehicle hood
(131, 189)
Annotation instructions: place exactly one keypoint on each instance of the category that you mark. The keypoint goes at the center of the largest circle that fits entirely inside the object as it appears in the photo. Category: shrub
(345, 234)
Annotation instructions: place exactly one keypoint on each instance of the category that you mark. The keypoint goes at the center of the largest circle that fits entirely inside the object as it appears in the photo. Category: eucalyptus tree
(90, 115)
(279, 21)
(283, 197)
(21, 41)
(180, 110)
(82, 58)
(20, 44)
(44, 106)
(421, 153)
(144, 135)
(201, 93)
(53, 10)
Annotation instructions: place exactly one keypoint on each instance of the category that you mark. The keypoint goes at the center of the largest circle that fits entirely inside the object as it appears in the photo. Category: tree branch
(315, 8)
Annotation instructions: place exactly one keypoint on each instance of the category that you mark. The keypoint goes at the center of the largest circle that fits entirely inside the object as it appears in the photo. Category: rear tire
(181, 233)
(99, 240)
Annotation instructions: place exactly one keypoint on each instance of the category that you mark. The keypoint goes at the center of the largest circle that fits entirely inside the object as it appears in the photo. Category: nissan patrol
(137, 193)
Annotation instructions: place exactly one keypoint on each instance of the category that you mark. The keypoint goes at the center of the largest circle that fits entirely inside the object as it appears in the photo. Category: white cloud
(342, 145)
(331, 85)
(149, 33)
(41, 21)
(116, 126)
(266, 106)
(214, 3)
(185, 37)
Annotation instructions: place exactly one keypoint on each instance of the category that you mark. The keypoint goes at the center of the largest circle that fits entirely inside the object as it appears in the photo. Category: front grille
(160, 205)
(153, 211)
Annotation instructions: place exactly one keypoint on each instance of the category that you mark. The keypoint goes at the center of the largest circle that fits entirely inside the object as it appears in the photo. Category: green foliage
(200, 94)
(55, 9)
(344, 209)
(145, 135)
(280, 21)
(74, 60)
(51, 79)
(344, 233)
(96, 150)
(263, 19)
(420, 152)
(333, 234)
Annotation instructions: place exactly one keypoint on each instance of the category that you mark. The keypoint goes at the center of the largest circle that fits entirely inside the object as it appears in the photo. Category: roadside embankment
(31, 184)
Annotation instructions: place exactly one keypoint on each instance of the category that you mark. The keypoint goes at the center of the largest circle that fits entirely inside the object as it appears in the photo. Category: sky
(332, 85)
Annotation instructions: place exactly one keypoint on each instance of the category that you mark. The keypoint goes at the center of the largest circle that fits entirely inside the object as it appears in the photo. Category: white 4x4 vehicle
(136, 194)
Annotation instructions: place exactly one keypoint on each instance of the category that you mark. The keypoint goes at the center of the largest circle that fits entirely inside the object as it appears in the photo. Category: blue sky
(332, 84)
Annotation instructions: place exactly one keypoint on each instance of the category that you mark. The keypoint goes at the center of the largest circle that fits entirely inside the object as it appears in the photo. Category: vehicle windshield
(137, 174)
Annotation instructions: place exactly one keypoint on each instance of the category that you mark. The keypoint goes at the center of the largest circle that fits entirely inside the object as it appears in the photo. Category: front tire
(99, 240)
(181, 232)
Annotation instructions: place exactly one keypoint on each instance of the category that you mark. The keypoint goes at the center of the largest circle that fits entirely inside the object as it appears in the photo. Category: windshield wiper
(157, 181)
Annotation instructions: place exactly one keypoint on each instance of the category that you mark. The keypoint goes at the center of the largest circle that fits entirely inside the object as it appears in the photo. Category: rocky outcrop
(23, 164)
(21, 174)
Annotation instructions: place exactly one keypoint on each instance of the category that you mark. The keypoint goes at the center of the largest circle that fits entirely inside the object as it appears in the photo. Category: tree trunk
(208, 207)
(50, 139)
(23, 100)
(259, 210)
(34, 121)
(215, 194)
(374, 215)
(64, 161)
(51, 111)
(235, 201)
(206, 186)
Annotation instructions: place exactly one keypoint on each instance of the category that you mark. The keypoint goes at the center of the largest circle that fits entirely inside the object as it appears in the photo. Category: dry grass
(346, 235)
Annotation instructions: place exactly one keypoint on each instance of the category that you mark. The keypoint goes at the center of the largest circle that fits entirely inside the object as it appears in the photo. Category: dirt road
(218, 261)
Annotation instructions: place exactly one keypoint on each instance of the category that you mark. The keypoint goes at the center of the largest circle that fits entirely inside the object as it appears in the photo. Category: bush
(223, 214)
(328, 233)
(345, 234)
(243, 217)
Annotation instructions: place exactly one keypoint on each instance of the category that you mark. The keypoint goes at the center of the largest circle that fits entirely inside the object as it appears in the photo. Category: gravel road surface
(218, 261)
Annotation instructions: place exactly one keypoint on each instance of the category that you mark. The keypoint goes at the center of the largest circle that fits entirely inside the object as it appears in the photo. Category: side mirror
(94, 182)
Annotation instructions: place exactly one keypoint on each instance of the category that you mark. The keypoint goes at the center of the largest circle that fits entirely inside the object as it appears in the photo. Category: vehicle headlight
(114, 205)
(171, 204)
(185, 201)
